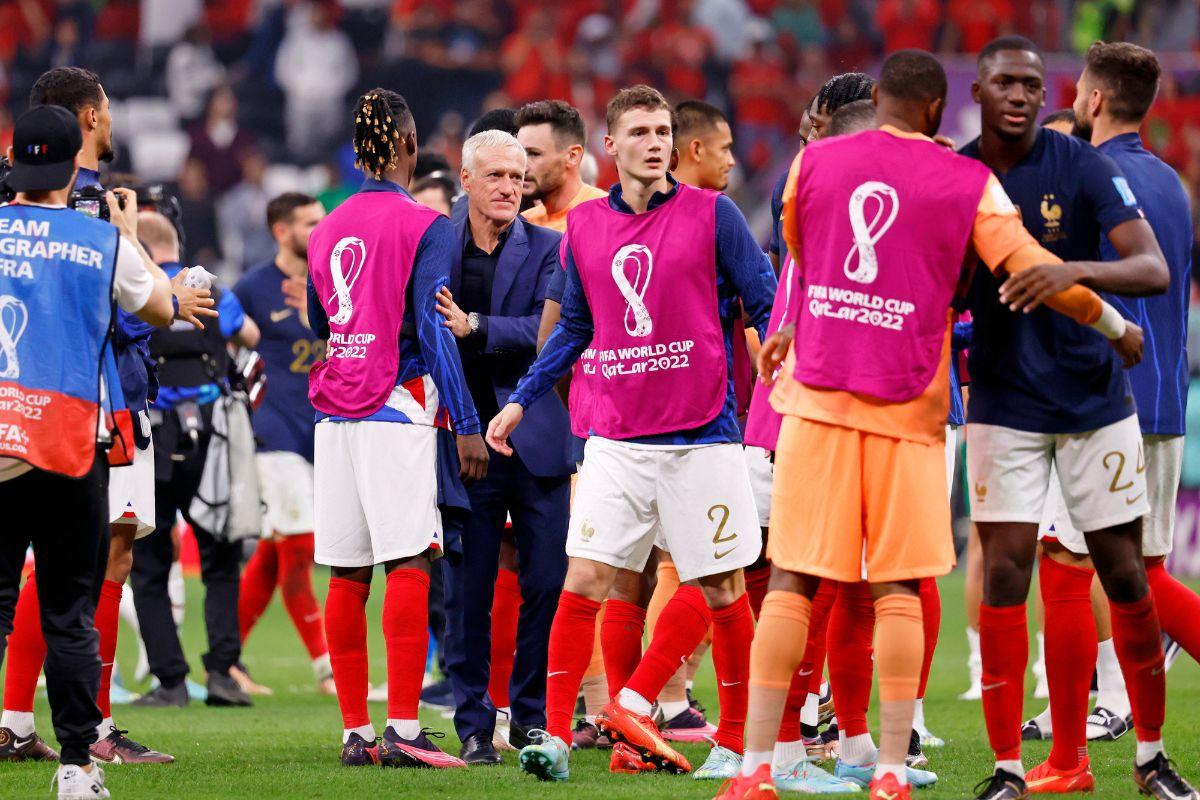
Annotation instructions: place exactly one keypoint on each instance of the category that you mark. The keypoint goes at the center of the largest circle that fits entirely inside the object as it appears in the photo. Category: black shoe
(580, 706)
(223, 690)
(358, 752)
(477, 749)
(518, 735)
(1031, 731)
(695, 704)
(29, 748)
(1002, 785)
(1114, 727)
(915, 758)
(163, 697)
(1160, 780)
(438, 696)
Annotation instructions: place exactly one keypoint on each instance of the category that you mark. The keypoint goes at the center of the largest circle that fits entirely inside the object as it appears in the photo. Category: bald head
(158, 236)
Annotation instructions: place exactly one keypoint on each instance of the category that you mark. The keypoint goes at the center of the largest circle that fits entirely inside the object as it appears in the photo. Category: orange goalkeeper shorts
(851, 505)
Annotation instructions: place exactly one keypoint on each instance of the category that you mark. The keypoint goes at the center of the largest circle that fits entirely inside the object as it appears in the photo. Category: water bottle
(199, 278)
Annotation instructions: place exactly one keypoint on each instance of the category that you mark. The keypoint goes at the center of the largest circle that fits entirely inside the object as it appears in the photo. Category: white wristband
(1111, 323)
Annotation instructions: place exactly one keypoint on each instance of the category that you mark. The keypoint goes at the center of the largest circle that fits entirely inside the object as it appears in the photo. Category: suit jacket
(530, 257)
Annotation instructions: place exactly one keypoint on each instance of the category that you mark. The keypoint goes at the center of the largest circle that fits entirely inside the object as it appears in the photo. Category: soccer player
(879, 225)
(1046, 397)
(376, 265)
(664, 455)
(283, 425)
(1116, 89)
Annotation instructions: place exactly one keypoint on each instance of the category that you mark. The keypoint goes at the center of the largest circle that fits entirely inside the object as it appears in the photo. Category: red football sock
(108, 614)
(1004, 645)
(1138, 642)
(295, 583)
(346, 630)
(258, 584)
(851, 634)
(406, 635)
(1178, 608)
(681, 626)
(733, 631)
(571, 637)
(506, 608)
(621, 642)
(931, 617)
(789, 726)
(813, 663)
(1070, 643)
(26, 650)
(757, 580)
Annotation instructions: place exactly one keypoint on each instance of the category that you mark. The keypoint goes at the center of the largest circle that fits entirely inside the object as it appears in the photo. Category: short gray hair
(485, 139)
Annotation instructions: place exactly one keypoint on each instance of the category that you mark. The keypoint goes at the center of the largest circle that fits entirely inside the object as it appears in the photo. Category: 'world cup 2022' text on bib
(360, 258)
(657, 361)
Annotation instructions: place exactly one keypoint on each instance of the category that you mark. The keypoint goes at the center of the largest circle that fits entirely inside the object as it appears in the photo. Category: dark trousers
(66, 521)
(539, 508)
(177, 477)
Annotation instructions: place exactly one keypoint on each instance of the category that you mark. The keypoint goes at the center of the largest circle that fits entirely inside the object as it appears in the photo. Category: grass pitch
(287, 745)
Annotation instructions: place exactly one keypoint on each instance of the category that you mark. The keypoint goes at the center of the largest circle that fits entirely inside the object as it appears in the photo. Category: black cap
(46, 140)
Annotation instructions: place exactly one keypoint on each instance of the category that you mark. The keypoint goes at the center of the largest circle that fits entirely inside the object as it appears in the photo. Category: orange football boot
(626, 760)
(639, 732)
(758, 786)
(1045, 779)
(888, 788)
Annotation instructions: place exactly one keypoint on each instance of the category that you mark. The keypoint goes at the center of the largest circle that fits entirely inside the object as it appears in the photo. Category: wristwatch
(473, 321)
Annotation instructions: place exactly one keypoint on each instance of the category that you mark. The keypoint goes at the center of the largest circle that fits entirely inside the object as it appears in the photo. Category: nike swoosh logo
(722, 555)
(1130, 502)
(552, 674)
(279, 316)
(804, 673)
(991, 686)
(727, 683)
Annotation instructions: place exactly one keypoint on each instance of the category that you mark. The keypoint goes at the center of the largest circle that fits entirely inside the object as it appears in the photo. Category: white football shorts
(695, 500)
(762, 476)
(1101, 473)
(131, 493)
(285, 481)
(376, 492)
(1163, 462)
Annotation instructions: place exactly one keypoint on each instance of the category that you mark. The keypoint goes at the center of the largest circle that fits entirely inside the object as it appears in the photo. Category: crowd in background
(234, 101)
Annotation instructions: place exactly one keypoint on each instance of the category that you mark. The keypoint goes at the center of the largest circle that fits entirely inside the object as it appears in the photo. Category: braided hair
(381, 121)
(843, 89)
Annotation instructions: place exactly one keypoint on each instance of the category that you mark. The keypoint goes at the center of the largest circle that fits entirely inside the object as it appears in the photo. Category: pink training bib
(885, 224)
(360, 258)
(659, 362)
(763, 423)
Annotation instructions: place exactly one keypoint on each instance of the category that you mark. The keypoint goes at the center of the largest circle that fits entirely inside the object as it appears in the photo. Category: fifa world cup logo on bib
(637, 317)
(345, 275)
(866, 234)
(13, 318)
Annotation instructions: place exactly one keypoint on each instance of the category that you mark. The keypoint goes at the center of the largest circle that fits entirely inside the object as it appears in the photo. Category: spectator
(244, 239)
(970, 24)
(758, 87)
(908, 23)
(219, 143)
(163, 22)
(535, 61)
(680, 50)
(201, 244)
(725, 21)
(193, 73)
(316, 67)
(801, 20)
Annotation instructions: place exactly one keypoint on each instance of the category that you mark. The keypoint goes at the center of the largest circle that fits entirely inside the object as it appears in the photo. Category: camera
(6, 194)
(90, 201)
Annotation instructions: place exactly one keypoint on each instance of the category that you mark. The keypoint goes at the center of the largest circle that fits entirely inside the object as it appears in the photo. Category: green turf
(287, 745)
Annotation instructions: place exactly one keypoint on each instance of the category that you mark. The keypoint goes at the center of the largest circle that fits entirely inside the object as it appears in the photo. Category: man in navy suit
(493, 305)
